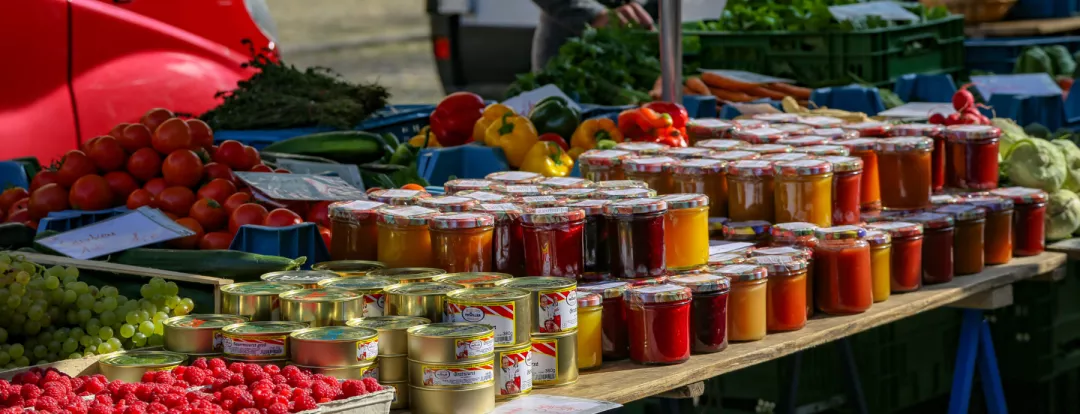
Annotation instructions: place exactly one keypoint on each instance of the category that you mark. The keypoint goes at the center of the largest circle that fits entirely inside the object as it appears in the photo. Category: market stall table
(1070, 247)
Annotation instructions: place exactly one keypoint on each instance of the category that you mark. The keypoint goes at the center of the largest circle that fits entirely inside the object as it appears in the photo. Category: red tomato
(252, 155)
(90, 193)
(236, 200)
(44, 177)
(201, 135)
(261, 168)
(139, 198)
(47, 199)
(218, 190)
(183, 168)
(232, 153)
(74, 165)
(171, 216)
(282, 217)
(217, 170)
(209, 213)
(20, 216)
(282, 171)
(118, 130)
(176, 200)
(23, 204)
(215, 240)
(122, 185)
(249, 213)
(107, 154)
(155, 117)
(319, 213)
(171, 135)
(189, 242)
(155, 186)
(144, 164)
(326, 234)
(85, 147)
(10, 196)
(134, 137)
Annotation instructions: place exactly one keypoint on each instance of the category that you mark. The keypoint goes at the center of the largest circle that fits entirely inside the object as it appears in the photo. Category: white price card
(301, 187)
(545, 404)
(138, 228)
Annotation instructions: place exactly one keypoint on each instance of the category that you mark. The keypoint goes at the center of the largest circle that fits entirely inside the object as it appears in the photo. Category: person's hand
(630, 13)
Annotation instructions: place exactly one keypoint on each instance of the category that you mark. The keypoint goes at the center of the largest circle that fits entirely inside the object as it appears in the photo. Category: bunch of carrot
(732, 90)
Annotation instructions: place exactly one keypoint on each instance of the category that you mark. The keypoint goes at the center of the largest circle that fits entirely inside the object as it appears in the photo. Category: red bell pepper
(679, 116)
(556, 138)
(645, 124)
(453, 120)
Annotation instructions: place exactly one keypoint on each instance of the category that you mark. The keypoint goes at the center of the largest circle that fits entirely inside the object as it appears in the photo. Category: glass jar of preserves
(687, 153)
(515, 191)
(998, 246)
(847, 189)
(751, 193)
(753, 231)
(880, 263)
(708, 311)
(968, 237)
(937, 246)
(636, 237)
(870, 185)
(574, 193)
(541, 201)
(507, 240)
(973, 156)
(514, 177)
(786, 156)
(404, 239)
(616, 344)
(798, 234)
(602, 165)
(619, 185)
(484, 196)
(554, 241)
(917, 130)
(659, 317)
(765, 135)
(905, 268)
(792, 129)
(869, 129)
(461, 242)
(824, 150)
(597, 263)
(703, 129)
(905, 170)
(821, 121)
(724, 259)
(786, 292)
(765, 149)
(1029, 218)
(837, 134)
(702, 176)
(749, 124)
(721, 145)
(730, 247)
(799, 252)
(641, 148)
(804, 191)
(448, 204)
(650, 170)
(776, 118)
(467, 184)
(802, 141)
(842, 279)
(747, 303)
(397, 197)
(686, 231)
(558, 183)
(938, 200)
(354, 224)
(735, 155)
(937, 157)
(624, 194)
(590, 311)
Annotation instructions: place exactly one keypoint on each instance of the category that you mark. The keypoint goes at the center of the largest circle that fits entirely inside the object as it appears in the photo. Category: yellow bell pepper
(548, 159)
(593, 130)
(491, 114)
(425, 133)
(514, 134)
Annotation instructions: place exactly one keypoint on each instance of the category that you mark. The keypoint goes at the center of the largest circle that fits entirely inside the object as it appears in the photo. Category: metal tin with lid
(333, 346)
(724, 259)
(905, 144)
(448, 203)
(521, 190)
(840, 233)
(620, 184)
(542, 201)
(393, 339)
(424, 299)
(513, 374)
(551, 215)
(565, 182)
(821, 121)
(401, 393)
(898, 228)
(662, 293)
(804, 141)
(802, 168)
(641, 148)
(823, 150)
(607, 289)
(256, 300)
(750, 168)
(635, 206)
(468, 399)
(686, 153)
(768, 148)
(514, 177)
(406, 275)
(972, 133)
(931, 220)
(603, 158)
(259, 341)
(836, 133)
(918, 130)
(349, 268)
(360, 371)
(130, 366)
(473, 279)
(484, 196)
(393, 368)
(765, 135)
(454, 186)
(742, 272)
(552, 300)
(371, 290)
(844, 163)
(778, 265)
(573, 193)
(471, 220)
(321, 307)
(685, 200)
(353, 211)
(197, 333)
(647, 164)
(554, 359)
(448, 342)
(703, 283)
(869, 128)
(1022, 195)
(721, 144)
(962, 212)
(624, 194)
(506, 309)
(398, 197)
(309, 279)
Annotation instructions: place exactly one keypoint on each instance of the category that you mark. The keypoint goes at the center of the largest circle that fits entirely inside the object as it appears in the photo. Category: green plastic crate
(820, 59)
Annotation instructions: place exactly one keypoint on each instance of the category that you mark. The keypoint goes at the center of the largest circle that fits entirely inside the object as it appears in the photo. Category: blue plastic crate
(998, 55)
(1042, 9)
(437, 165)
(291, 242)
(62, 221)
(12, 174)
(925, 88)
(854, 98)
(261, 138)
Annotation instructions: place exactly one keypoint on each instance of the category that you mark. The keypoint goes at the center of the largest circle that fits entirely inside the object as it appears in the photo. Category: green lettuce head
(1011, 133)
(1062, 215)
(1036, 163)
(1072, 163)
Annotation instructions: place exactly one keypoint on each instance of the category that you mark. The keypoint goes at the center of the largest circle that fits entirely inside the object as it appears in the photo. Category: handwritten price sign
(138, 228)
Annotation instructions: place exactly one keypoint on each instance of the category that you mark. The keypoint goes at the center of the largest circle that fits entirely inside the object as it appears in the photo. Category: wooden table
(1070, 247)
(625, 381)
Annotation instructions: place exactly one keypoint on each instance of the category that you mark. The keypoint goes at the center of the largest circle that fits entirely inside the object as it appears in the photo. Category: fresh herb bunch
(803, 16)
(605, 66)
(280, 96)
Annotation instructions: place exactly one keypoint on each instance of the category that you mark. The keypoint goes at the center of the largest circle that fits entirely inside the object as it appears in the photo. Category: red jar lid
(723, 259)
(802, 168)
(620, 184)
(780, 263)
(931, 220)
(500, 210)
(448, 203)
(777, 117)
(869, 128)
(877, 237)
(684, 153)
(966, 133)
(574, 193)
(636, 206)
(483, 196)
(840, 233)
(624, 193)
(859, 144)
(844, 163)
(768, 148)
(603, 158)
(353, 211)
(905, 144)
(824, 150)
(398, 197)
(836, 133)
(698, 167)
(962, 212)
(783, 251)
(462, 220)
(607, 289)
(514, 177)
(821, 121)
(589, 300)
(805, 141)
(565, 182)
(454, 186)
(917, 130)
(721, 144)
(723, 246)
(750, 123)
(898, 228)
(989, 203)
(591, 207)
(406, 215)
(742, 272)
(681, 201)
(944, 199)
(520, 190)
(793, 230)
(736, 155)
(647, 164)
(787, 156)
(702, 283)
(664, 293)
(542, 201)
(794, 129)
(1022, 195)
(750, 168)
(752, 228)
(551, 215)
(764, 135)
(641, 148)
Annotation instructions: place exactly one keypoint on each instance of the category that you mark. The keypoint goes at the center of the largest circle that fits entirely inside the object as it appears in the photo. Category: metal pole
(671, 50)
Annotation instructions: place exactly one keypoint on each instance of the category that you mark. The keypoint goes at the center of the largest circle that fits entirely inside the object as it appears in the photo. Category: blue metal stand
(976, 346)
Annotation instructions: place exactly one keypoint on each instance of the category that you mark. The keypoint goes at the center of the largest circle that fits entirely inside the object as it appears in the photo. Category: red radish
(952, 119)
(970, 110)
(937, 118)
(969, 119)
(963, 99)
(983, 120)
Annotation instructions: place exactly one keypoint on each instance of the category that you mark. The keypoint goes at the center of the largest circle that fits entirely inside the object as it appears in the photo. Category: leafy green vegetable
(1033, 60)
(1072, 163)
(1036, 163)
(1011, 133)
(1062, 214)
(1061, 61)
(803, 16)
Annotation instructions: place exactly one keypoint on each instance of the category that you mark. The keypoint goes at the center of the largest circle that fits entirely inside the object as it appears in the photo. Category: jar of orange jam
(870, 186)
(651, 170)
(468, 184)
(968, 237)
(998, 247)
(786, 292)
(842, 271)
(396, 197)
(449, 204)
(703, 176)
(641, 148)
(832, 149)
(353, 223)
(687, 153)
(905, 171)
(751, 190)
(514, 177)
(602, 165)
(735, 155)
(404, 239)
(747, 301)
(804, 192)
(461, 242)
(721, 145)
(686, 231)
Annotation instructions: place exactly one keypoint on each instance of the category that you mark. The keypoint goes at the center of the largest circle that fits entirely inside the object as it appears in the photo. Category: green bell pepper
(555, 115)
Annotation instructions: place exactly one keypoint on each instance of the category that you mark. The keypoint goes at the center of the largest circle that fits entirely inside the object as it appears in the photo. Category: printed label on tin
(367, 349)
(545, 361)
(219, 341)
(499, 315)
(255, 346)
(370, 372)
(456, 375)
(374, 303)
(558, 310)
(475, 347)
(275, 309)
(515, 372)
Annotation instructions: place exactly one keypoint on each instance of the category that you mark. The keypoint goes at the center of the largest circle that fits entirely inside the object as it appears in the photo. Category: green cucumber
(350, 147)
(274, 157)
(229, 264)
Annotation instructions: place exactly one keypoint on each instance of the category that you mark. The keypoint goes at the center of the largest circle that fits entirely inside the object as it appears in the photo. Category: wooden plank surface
(1070, 247)
(625, 381)
(1024, 27)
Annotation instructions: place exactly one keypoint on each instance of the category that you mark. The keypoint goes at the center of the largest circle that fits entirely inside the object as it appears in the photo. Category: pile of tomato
(167, 163)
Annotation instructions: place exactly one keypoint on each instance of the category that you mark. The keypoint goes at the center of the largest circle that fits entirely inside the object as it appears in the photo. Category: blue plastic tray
(72, 219)
(925, 88)
(999, 55)
(438, 165)
(1042, 9)
(291, 242)
(855, 98)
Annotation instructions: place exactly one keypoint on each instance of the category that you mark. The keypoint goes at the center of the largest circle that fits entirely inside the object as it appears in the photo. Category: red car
(76, 68)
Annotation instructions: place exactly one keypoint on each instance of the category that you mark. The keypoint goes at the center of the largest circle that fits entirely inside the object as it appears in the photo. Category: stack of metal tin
(422, 299)
(349, 268)
(309, 279)
(265, 342)
(258, 301)
(321, 307)
(393, 351)
(198, 335)
(451, 368)
(372, 290)
(553, 315)
(507, 310)
(343, 352)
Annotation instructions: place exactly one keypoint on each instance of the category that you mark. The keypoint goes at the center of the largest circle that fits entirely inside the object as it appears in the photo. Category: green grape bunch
(55, 316)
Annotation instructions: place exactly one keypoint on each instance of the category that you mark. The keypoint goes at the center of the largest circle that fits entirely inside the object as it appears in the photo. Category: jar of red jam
(937, 246)
(847, 186)
(624, 194)
(765, 149)
(747, 303)
(837, 133)
(969, 235)
(869, 129)
(396, 197)
(615, 344)
(804, 252)
(574, 193)
(602, 165)
(786, 290)
(659, 322)
(937, 157)
(455, 186)
(1029, 219)
(766, 135)
(597, 263)
(554, 241)
(821, 121)
(823, 150)
(905, 269)
(735, 155)
(998, 246)
(449, 203)
(514, 177)
(651, 170)
(721, 145)
(870, 186)
(688, 153)
(797, 234)
(507, 240)
(541, 201)
(636, 237)
(702, 129)
(641, 148)
(708, 311)
(801, 141)
(556, 183)
(520, 190)
(842, 279)
(484, 196)
(753, 231)
(973, 155)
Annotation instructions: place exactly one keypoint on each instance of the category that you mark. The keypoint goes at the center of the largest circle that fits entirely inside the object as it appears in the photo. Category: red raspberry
(352, 388)
(278, 408)
(237, 367)
(217, 363)
(245, 401)
(100, 409)
(196, 377)
(252, 373)
(228, 405)
(52, 389)
(271, 369)
(372, 385)
(50, 376)
(157, 408)
(283, 389)
(249, 411)
(174, 400)
(326, 379)
(290, 370)
(304, 403)
(236, 379)
(47, 405)
(232, 393)
(144, 392)
(103, 399)
(94, 387)
(322, 391)
(134, 410)
(220, 372)
(29, 391)
(200, 363)
(29, 377)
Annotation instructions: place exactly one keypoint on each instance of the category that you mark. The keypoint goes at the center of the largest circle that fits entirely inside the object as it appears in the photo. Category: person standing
(562, 19)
